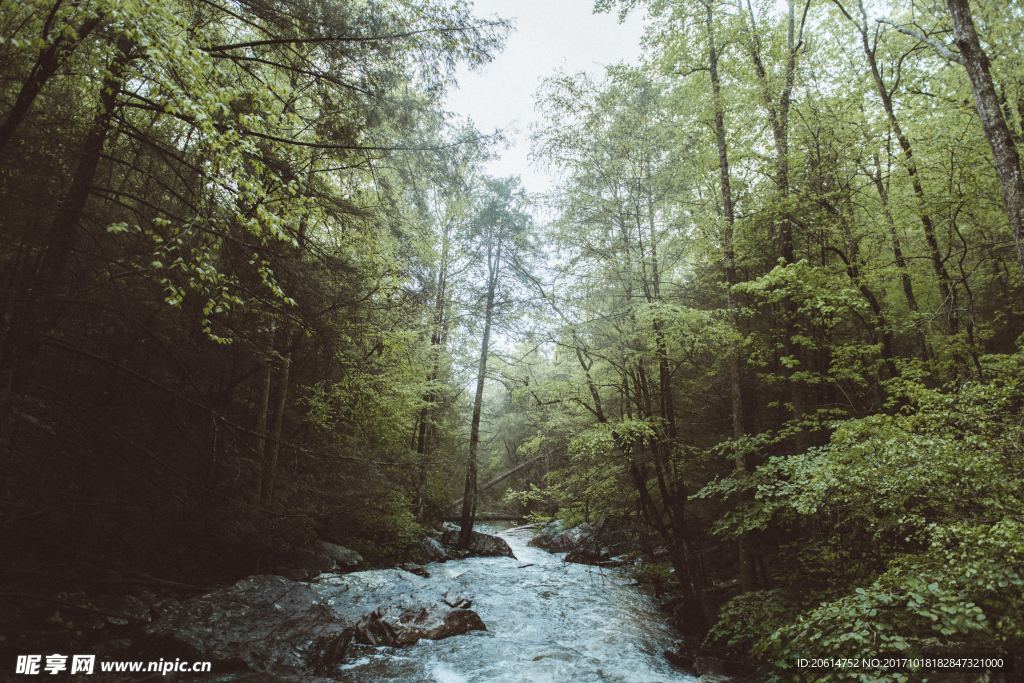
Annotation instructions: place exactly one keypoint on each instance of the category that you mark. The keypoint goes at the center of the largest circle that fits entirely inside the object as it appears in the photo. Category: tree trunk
(60, 238)
(469, 493)
(778, 119)
(49, 59)
(437, 342)
(1004, 150)
(881, 331)
(947, 295)
(901, 262)
(273, 449)
(263, 417)
(43, 273)
(729, 259)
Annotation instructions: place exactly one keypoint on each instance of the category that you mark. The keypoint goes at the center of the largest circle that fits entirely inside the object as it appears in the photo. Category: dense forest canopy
(255, 289)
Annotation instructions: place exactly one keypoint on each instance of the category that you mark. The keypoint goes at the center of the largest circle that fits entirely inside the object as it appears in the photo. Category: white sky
(548, 36)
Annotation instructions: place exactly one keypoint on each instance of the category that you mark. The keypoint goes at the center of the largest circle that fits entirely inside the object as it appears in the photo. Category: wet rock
(480, 545)
(585, 556)
(546, 536)
(413, 568)
(263, 623)
(714, 669)
(456, 622)
(557, 539)
(457, 600)
(121, 610)
(594, 556)
(303, 564)
(709, 665)
(433, 551)
(345, 558)
(680, 659)
(272, 624)
(618, 534)
(306, 563)
(407, 627)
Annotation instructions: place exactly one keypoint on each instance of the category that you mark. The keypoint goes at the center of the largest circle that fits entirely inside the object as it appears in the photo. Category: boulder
(585, 556)
(457, 600)
(270, 623)
(594, 556)
(302, 564)
(261, 623)
(412, 625)
(555, 538)
(433, 551)
(413, 568)
(546, 536)
(480, 544)
(305, 563)
(344, 557)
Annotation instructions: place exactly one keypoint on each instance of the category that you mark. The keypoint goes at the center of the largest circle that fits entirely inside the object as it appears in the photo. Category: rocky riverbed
(502, 611)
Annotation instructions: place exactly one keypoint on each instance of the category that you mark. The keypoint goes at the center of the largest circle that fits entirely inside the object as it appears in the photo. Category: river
(548, 621)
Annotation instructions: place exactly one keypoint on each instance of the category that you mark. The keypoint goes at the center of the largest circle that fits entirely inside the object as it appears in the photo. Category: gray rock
(272, 624)
(457, 600)
(555, 538)
(306, 563)
(546, 536)
(594, 556)
(480, 545)
(413, 568)
(303, 564)
(433, 550)
(345, 557)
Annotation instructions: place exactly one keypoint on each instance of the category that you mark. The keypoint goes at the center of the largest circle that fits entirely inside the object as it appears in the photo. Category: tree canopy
(255, 288)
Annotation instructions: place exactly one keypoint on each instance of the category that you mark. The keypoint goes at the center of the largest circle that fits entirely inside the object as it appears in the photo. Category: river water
(550, 621)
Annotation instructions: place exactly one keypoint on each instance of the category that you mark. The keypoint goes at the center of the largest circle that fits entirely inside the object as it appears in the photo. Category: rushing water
(550, 621)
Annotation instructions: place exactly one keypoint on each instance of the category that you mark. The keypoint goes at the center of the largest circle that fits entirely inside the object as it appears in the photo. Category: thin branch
(942, 49)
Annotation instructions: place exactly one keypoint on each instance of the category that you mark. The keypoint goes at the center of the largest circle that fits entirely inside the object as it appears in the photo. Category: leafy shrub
(749, 619)
(929, 499)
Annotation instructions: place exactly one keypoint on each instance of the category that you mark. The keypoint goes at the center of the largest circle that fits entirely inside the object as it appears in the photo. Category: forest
(257, 289)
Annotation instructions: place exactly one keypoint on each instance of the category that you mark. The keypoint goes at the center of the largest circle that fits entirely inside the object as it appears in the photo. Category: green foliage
(383, 529)
(658, 575)
(749, 619)
(934, 491)
(241, 221)
(243, 256)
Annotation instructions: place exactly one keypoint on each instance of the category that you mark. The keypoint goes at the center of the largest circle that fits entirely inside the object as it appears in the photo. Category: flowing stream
(549, 621)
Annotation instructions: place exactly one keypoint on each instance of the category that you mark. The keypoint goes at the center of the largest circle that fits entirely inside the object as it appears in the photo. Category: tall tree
(500, 227)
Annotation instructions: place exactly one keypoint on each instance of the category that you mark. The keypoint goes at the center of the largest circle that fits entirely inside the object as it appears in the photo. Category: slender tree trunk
(49, 59)
(263, 416)
(881, 331)
(666, 400)
(947, 295)
(469, 493)
(1004, 150)
(595, 395)
(42, 274)
(901, 262)
(61, 235)
(778, 118)
(437, 342)
(729, 259)
(273, 449)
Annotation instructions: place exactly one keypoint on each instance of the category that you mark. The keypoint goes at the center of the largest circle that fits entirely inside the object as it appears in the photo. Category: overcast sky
(548, 36)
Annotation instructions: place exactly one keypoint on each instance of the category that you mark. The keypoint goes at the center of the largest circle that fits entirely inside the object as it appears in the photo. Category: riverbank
(529, 616)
